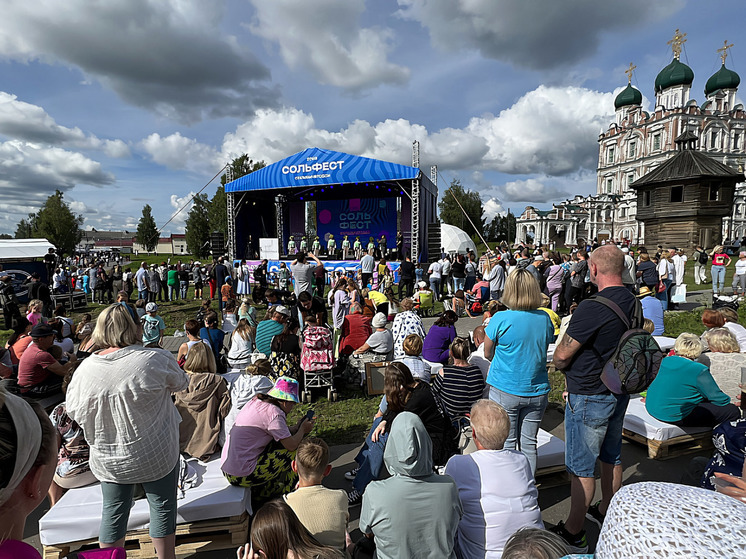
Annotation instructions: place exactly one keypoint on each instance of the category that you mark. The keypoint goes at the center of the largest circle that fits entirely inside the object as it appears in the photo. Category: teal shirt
(521, 338)
(681, 384)
(265, 331)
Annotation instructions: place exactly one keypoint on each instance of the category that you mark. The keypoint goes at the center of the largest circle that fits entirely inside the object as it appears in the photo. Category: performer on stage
(382, 246)
(358, 248)
(291, 246)
(316, 246)
(331, 246)
(371, 244)
(345, 248)
(400, 245)
(304, 244)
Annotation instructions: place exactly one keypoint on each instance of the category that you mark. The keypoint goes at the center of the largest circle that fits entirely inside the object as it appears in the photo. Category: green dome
(676, 73)
(628, 96)
(722, 79)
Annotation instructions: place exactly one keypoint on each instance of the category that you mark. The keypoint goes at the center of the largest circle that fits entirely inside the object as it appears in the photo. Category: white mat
(665, 342)
(639, 421)
(550, 450)
(77, 515)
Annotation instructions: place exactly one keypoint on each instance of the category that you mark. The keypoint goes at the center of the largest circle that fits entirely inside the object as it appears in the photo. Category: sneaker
(594, 515)
(352, 473)
(354, 497)
(577, 543)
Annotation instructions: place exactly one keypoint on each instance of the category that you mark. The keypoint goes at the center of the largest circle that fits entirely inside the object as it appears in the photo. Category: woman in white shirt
(121, 398)
(739, 277)
(242, 345)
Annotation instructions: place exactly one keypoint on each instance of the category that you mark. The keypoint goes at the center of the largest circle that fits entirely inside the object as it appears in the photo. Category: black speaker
(217, 242)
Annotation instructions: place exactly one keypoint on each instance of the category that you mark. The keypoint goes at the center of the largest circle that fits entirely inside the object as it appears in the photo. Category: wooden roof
(688, 164)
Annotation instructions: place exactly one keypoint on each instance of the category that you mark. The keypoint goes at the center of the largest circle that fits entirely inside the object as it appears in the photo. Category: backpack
(637, 357)
(476, 307)
(317, 353)
(703, 258)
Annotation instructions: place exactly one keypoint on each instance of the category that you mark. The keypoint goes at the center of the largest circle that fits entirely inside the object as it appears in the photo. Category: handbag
(678, 295)
(661, 287)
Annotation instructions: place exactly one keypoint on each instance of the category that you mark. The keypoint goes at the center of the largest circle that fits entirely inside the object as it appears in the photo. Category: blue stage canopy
(314, 166)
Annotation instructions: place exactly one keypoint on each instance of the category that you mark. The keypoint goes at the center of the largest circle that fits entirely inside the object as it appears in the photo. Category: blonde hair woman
(720, 261)
(121, 398)
(684, 392)
(726, 359)
(203, 405)
(242, 344)
(516, 343)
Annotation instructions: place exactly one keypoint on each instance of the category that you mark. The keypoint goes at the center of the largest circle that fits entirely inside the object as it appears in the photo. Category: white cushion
(77, 516)
(550, 450)
(638, 420)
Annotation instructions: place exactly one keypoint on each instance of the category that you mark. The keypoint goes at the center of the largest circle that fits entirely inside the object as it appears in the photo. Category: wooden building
(683, 201)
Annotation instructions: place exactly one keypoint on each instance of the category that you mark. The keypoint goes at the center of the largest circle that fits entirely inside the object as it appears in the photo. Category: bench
(213, 515)
(663, 440)
(550, 461)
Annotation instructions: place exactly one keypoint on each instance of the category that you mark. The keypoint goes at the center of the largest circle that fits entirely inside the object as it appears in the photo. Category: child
(84, 328)
(34, 315)
(322, 511)
(229, 316)
(153, 327)
(247, 311)
(204, 309)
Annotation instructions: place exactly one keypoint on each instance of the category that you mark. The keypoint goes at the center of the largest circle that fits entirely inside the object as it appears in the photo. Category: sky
(121, 104)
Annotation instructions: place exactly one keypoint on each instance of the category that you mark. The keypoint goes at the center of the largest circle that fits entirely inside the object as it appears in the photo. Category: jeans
(525, 413)
(435, 286)
(663, 295)
(718, 279)
(458, 283)
(593, 430)
(370, 459)
(173, 293)
(184, 288)
(161, 496)
(142, 294)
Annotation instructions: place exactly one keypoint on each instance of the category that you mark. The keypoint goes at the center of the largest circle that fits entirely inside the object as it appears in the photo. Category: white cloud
(23, 121)
(492, 207)
(177, 152)
(325, 39)
(531, 190)
(538, 34)
(169, 56)
(177, 202)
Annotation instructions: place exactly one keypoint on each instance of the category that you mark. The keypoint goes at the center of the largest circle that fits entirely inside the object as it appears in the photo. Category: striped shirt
(459, 388)
(265, 331)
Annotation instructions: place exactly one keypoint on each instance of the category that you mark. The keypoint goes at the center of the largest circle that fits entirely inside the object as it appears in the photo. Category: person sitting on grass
(153, 327)
(213, 336)
(229, 317)
(439, 338)
(419, 368)
(202, 405)
(260, 447)
(496, 486)
(322, 511)
(461, 384)
(242, 345)
(356, 329)
(415, 512)
(684, 392)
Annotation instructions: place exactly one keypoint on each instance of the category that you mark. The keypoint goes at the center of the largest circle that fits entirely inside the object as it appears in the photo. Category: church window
(646, 198)
(610, 155)
(656, 142)
(632, 148)
(622, 212)
(714, 193)
(630, 178)
(609, 185)
(677, 193)
(713, 139)
(736, 138)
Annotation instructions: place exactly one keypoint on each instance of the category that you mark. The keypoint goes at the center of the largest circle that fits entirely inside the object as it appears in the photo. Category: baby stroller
(317, 362)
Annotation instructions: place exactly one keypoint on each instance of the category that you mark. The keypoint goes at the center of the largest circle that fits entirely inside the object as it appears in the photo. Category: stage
(346, 267)
(325, 193)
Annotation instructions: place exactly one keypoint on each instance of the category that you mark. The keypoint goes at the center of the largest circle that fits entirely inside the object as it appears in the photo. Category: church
(636, 143)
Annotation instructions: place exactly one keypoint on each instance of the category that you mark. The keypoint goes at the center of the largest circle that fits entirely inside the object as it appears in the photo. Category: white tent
(455, 240)
(20, 249)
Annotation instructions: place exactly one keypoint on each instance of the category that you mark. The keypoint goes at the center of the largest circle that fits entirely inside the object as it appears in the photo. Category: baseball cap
(151, 307)
(282, 310)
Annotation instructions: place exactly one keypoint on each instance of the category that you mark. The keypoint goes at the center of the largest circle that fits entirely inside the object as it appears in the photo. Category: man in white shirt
(629, 278)
(445, 274)
(435, 270)
(496, 487)
(143, 281)
(367, 265)
(477, 356)
(496, 277)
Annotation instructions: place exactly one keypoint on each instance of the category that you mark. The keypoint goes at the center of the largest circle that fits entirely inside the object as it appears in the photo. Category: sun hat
(422, 285)
(625, 250)
(379, 320)
(285, 388)
(151, 307)
(42, 331)
(645, 291)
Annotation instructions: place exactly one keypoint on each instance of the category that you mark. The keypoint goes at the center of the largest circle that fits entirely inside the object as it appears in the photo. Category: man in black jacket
(406, 278)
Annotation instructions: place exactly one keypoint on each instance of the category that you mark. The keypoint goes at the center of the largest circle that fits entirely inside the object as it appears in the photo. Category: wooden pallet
(192, 537)
(677, 446)
(552, 476)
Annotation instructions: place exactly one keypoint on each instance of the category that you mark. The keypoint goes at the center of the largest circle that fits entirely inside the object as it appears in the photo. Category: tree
(147, 231)
(451, 213)
(5, 236)
(55, 222)
(217, 211)
(197, 229)
(502, 228)
(239, 167)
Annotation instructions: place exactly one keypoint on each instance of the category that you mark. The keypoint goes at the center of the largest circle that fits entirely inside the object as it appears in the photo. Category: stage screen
(358, 217)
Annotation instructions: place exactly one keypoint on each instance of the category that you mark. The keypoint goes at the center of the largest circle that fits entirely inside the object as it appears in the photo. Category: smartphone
(310, 414)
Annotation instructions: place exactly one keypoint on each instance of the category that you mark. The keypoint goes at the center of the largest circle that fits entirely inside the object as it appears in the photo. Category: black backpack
(637, 357)
(703, 258)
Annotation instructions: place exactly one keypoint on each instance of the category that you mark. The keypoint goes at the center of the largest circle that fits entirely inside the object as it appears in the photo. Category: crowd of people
(132, 411)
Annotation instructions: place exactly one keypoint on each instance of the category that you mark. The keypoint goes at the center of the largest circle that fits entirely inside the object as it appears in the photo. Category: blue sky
(121, 104)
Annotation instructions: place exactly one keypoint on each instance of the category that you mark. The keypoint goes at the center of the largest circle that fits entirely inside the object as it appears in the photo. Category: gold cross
(676, 43)
(629, 71)
(724, 50)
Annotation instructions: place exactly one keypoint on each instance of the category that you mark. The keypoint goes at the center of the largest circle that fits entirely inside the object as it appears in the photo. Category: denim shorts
(593, 430)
